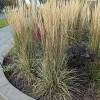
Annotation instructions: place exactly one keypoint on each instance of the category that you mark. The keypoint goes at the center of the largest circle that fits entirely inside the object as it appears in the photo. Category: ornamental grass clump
(56, 81)
(24, 33)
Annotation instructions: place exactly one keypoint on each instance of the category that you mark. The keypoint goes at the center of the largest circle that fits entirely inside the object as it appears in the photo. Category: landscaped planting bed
(56, 55)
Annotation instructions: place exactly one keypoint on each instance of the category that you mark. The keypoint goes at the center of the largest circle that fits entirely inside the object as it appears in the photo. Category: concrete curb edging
(7, 91)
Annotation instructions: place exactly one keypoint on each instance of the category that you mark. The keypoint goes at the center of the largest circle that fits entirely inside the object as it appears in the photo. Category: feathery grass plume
(22, 22)
(55, 80)
(78, 14)
(95, 30)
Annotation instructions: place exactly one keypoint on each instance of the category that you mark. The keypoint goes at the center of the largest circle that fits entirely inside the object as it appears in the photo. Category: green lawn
(1, 12)
(3, 23)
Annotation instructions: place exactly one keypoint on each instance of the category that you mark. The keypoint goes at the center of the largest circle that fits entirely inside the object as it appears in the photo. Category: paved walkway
(6, 40)
(2, 16)
(7, 91)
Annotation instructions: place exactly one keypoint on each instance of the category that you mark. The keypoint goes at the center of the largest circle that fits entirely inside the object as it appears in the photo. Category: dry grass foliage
(95, 30)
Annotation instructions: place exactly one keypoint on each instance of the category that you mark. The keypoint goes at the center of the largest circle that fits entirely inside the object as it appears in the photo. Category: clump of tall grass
(57, 22)
(25, 42)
